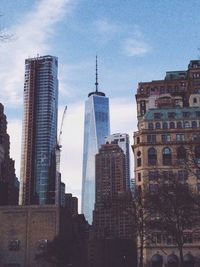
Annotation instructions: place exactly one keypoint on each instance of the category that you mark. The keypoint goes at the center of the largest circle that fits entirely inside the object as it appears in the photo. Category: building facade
(96, 128)
(28, 234)
(168, 134)
(39, 136)
(9, 189)
(122, 139)
(113, 216)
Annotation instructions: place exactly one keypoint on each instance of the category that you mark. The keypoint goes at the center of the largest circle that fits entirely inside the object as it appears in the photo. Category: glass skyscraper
(39, 134)
(96, 128)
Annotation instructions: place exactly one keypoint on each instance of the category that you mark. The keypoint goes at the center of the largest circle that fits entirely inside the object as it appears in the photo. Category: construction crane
(58, 147)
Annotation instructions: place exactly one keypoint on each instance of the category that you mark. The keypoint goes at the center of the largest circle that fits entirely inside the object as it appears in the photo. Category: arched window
(181, 154)
(167, 157)
(171, 125)
(152, 156)
(179, 124)
(150, 126)
(194, 124)
(197, 153)
(157, 125)
(186, 124)
(165, 125)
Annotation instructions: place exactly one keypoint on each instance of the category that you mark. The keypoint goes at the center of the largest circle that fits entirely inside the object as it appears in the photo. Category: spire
(96, 83)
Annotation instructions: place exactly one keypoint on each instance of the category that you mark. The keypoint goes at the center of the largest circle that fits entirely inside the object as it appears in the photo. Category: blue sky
(135, 41)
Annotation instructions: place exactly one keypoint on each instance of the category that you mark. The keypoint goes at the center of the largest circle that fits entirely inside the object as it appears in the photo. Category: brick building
(112, 242)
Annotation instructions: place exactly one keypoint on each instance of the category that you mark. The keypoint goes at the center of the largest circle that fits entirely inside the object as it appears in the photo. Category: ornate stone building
(168, 134)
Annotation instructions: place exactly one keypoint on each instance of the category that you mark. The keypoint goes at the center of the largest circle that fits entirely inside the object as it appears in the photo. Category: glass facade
(39, 137)
(96, 128)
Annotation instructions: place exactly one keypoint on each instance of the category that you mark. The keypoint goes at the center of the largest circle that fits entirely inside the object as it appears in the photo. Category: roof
(176, 112)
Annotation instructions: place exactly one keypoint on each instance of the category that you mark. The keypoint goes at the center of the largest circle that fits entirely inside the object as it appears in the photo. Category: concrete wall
(28, 224)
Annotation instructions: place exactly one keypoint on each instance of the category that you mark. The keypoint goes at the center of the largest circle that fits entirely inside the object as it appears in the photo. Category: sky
(135, 41)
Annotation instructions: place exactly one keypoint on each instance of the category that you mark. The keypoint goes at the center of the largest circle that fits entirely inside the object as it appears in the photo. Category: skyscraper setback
(96, 128)
(39, 137)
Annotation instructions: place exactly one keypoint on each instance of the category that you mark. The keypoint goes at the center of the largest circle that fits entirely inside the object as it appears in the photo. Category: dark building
(9, 189)
(39, 182)
(71, 203)
(113, 216)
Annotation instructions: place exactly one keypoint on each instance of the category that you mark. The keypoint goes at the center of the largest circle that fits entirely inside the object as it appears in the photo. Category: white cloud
(135, 47)
(107, 27)
(31, 38)
(15, 130)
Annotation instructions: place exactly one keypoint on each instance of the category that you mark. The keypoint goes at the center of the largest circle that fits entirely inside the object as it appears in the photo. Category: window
(142, 107)
(167, 175)
(198, 174)
(171, 115)
(138, 140)
(166, 138)
(157, 116)
(194, 124)
(150, 126)
(197, 154)
(194, 100)
(42, 244)
(171, 125)
(158, 125)
(186, 124)
(153, 188)
(153, 175)
(181, 154)
(14, 245)
(186, 114)
(139, 160)
(167, 157)
(180, 137)
(198, 113)
(139, 177)
(165, 125)
(151, 138)
(198, 187)
(152, 156)
(179, 124)
(182, 175)
(196, 136)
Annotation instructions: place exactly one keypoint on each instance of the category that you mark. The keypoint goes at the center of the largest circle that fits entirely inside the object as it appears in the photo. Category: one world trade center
(96, 128)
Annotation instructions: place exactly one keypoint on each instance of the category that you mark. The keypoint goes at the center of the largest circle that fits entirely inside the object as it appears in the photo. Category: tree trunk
(141, 254)
(181, 255)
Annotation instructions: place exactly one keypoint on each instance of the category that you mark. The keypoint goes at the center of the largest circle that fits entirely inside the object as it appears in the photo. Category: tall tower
(39, 137)
(96, 128)
(122, 139)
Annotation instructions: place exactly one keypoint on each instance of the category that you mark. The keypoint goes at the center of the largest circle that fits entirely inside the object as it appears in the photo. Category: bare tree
(173, 210)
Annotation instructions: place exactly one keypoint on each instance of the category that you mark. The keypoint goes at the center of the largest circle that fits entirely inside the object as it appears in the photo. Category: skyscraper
(112, 235)
(96, 128)
(39, 137)
(122, 139)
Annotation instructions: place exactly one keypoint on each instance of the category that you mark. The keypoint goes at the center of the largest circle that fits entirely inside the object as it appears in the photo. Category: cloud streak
(135, 47)
(31, 38)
